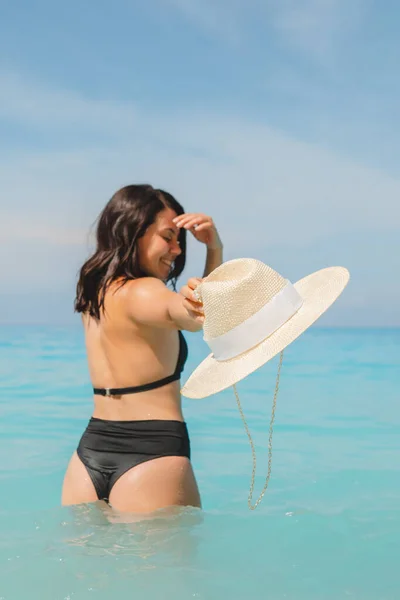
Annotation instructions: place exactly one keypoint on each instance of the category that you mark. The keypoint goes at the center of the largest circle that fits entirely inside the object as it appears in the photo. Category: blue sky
(280, 118)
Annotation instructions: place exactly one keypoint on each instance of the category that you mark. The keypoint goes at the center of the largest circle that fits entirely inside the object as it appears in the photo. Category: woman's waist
(140, 407)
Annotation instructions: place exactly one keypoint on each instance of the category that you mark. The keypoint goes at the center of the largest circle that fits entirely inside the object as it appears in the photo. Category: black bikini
(182, 357)
(110, 448)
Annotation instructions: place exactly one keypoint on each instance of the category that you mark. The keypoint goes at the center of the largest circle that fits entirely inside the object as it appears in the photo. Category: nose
(176, 249)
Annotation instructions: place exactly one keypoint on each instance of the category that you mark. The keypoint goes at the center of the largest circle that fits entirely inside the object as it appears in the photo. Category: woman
(135, 452)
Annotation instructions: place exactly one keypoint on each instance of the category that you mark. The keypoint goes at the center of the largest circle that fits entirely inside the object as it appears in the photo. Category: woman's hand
(202, 227)
(191, 301)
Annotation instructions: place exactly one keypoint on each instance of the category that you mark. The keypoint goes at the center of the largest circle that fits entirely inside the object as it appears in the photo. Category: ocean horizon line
(78, 325)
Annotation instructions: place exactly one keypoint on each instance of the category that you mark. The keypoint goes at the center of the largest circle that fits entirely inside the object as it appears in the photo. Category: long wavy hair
(123, 221)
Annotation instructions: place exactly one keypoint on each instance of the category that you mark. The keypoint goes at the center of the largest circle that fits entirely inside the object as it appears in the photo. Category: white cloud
(13, 230)
(312, 26)
(217, 17)
(24, 100)
(292, 204)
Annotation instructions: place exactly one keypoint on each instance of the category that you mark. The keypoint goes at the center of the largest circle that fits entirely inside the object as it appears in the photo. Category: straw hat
(251, 314)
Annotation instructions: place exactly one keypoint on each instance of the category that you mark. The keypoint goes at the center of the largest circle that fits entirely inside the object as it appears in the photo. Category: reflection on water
(90, 552)
(168, 534)
(72, 551)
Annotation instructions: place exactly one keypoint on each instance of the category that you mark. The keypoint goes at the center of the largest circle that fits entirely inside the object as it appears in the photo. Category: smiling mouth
(168, 263)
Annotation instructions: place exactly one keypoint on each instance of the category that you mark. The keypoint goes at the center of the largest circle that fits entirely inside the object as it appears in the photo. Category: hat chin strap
(257, 328)
(253, 450)
(251, 332)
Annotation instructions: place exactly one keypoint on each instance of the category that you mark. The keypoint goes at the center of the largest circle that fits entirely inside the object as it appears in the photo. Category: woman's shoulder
(143, 288)
(144, 300)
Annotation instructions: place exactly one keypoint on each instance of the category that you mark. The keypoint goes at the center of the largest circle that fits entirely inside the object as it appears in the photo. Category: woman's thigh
(77, 487)
(155, 484)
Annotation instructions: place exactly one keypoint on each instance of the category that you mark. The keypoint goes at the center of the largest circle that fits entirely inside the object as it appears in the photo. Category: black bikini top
(182, 357)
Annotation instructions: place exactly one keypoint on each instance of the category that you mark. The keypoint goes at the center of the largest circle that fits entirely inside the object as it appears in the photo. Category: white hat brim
(318, 290)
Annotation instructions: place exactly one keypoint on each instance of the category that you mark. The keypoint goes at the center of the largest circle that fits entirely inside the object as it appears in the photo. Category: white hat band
(259, 326)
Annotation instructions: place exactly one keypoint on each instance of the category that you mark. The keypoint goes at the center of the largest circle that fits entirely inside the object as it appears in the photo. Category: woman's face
(159, 246)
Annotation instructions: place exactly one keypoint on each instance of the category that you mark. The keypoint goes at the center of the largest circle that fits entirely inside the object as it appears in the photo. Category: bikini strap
(182, 356)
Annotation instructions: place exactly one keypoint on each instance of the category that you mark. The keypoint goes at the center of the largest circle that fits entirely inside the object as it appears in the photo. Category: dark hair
(124, 220)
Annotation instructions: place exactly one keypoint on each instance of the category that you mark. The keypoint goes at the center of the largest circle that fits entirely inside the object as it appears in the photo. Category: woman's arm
(213, 260)
(150, 302)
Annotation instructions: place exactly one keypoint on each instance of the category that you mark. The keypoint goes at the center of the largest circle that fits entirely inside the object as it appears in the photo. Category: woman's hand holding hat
(191, 301)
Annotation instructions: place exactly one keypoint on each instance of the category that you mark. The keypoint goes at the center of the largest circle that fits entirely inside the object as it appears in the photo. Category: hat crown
(235, 291)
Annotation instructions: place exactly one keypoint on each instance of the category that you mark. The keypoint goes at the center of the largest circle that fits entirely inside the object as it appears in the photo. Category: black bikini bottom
(110, 448)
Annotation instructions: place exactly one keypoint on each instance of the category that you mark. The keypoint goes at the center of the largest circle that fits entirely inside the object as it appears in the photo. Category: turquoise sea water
(328, 527)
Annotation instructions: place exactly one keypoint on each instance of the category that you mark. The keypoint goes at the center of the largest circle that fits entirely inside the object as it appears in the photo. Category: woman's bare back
(123, 353)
